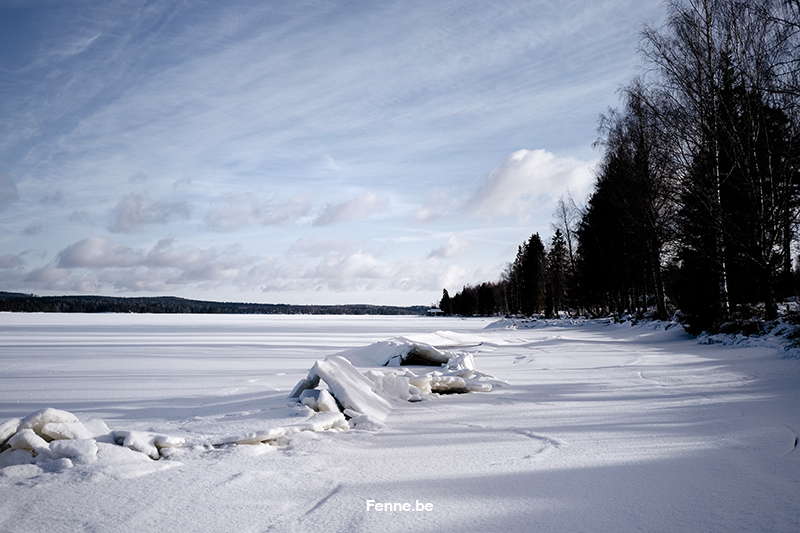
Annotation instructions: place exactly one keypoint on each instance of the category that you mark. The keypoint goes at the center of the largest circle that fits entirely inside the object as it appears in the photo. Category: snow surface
(603, 427)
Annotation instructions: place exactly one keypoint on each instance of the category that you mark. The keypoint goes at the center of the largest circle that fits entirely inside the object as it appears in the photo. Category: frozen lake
(602, 428)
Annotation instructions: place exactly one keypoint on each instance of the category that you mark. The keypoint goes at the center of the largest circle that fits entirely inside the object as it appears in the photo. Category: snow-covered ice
(151, 422)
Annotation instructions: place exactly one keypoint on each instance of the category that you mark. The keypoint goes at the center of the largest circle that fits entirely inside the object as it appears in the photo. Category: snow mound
(52, 440)
(428, 349)
(367, 398)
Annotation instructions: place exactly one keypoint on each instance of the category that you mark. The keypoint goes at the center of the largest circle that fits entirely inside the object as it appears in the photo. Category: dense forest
(28, 303)
(697, 195)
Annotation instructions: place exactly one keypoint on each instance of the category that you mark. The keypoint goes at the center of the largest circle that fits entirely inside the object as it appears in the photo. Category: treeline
(28, 303)
(697, 195)
(539, 281)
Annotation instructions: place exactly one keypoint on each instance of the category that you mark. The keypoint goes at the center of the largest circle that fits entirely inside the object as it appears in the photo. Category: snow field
(602, 428)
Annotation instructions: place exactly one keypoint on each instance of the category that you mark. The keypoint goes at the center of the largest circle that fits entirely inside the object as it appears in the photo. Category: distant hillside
(29, 303)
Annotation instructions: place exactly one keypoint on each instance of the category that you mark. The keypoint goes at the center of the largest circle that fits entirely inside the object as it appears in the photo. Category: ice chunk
(309, 398)
(445, 339)
(326, 421)
(350, 387)
(113, 453)
(7, 429)
(82, 451)
(422, 383)
(461, 361)
(426, 355)
(27, 439)
(304, 384)
(319, 400)
(326, 402)
(392, 385)
(270, 435)
(448, 384)
(66, 430)
(38, 419)
(430, 349)
(474, 385)
(147, 443)
(99, 430)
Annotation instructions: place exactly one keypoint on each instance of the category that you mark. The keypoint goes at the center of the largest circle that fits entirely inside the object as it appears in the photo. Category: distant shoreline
(30, 303)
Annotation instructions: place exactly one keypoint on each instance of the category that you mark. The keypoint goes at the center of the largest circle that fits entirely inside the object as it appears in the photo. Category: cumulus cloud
(50, 276)
(236, 210)
(454, 246)
(98, 252)
(355, 266)
(353, 210)
(527, 180)
(136, 210)
(8, 191)
(97, 262)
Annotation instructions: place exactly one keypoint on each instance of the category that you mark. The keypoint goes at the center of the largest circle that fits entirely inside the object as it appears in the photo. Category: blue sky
(309, 151)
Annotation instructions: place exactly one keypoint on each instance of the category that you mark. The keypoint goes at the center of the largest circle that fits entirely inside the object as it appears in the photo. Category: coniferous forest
(697, 195)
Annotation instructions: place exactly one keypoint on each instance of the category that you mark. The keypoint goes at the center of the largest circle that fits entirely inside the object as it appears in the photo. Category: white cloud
(454, 246)
(98, 252)
(353, 268)
(353, 210)
(102, 262)
(50, 277)
(526, 181)
(136, 210)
